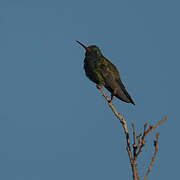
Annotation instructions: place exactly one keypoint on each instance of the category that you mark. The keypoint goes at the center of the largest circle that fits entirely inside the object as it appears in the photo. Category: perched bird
(102, 72)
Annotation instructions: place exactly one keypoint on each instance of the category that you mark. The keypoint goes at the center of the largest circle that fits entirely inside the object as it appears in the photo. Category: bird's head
(91, 51)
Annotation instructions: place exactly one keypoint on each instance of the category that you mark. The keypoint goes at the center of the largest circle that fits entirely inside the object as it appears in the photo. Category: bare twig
(146, 132)
(137, 148)
(134, 134)
(139, 140)
(153, 158)
(124, 124)
(134, 138)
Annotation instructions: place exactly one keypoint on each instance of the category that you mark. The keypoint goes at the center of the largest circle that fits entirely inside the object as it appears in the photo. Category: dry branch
(137, 148)
(153, 158)
(146, 132)
(124, 124)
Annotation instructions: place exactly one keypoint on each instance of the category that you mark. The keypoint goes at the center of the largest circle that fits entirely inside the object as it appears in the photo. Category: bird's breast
(92, 72)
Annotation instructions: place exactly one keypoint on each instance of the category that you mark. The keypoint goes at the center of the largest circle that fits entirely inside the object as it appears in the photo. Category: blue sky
(54, 123)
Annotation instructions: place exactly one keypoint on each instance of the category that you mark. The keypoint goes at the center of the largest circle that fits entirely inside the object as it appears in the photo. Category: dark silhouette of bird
(102, 72)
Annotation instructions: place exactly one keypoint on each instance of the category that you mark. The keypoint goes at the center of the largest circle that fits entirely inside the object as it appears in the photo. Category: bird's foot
(98, 86)
(110, 100)
(112, 95)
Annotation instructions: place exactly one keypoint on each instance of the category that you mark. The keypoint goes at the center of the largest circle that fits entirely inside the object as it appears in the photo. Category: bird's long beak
(85, 47)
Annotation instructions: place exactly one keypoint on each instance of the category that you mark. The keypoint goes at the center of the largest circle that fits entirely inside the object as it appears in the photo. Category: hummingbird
(102, 72)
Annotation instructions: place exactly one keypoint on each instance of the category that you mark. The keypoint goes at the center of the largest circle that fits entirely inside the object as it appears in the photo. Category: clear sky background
(54, 123)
